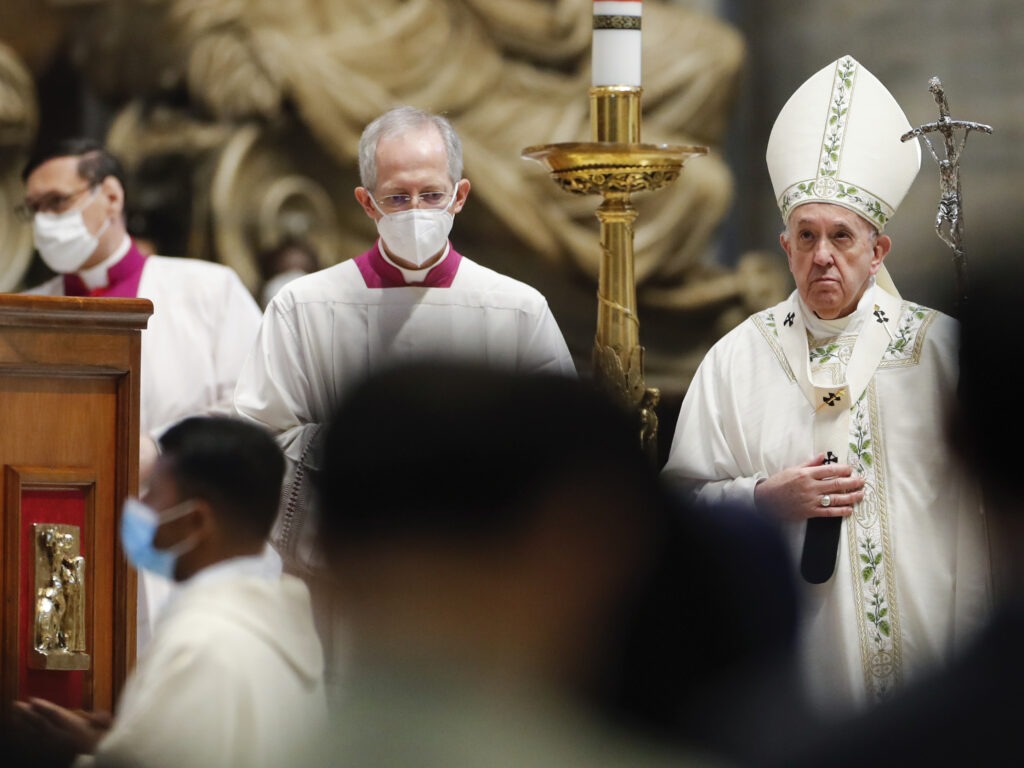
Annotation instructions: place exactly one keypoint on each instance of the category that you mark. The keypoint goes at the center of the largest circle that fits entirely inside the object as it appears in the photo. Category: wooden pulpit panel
(69, 431)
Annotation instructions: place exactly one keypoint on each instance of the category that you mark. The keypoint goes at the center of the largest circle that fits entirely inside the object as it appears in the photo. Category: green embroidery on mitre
(827, 186)
(827, 190)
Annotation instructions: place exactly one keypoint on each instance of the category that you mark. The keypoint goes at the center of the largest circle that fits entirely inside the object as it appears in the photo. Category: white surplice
(325, 332)
(233, 676)
(203, 324)
(912, 580)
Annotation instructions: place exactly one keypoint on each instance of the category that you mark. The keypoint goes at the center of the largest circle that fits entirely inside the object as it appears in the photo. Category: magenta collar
(122, 278)
(377, 273)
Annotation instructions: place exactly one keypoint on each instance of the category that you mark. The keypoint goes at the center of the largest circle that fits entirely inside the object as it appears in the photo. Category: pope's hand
(812, 489)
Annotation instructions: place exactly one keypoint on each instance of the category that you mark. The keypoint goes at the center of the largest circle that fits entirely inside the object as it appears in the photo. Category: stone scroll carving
(254, 109)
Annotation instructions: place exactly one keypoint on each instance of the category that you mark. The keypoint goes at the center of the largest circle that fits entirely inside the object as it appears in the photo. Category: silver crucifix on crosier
(949, 221)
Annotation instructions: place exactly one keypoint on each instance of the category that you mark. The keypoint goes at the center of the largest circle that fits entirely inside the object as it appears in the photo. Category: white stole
(830, 403)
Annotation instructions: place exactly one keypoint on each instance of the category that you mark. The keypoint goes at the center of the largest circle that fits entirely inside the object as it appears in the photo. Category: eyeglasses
(55, 203)
(394, 203)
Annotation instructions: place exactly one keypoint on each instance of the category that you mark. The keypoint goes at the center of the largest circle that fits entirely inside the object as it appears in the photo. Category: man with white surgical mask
(411, 296)
(204, 318)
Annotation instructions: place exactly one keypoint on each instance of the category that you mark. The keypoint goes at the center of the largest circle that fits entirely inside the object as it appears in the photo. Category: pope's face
(832, 253)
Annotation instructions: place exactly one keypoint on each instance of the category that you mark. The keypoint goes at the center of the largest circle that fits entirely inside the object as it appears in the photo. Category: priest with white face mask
(204, 318)
(411, 296)
(826, 411)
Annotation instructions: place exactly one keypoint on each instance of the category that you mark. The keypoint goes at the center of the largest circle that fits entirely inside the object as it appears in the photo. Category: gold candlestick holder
(615, 165)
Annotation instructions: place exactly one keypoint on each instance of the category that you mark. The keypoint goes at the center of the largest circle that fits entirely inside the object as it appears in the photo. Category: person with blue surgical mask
(139, 526)
(234, 673)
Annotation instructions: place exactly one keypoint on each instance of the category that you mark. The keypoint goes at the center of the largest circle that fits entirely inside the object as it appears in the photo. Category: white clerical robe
(233, 676)
(324, 332)
(204, 321)
(912, 576)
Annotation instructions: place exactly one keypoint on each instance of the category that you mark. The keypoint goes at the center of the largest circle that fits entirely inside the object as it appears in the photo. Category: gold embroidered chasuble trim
(871, 556)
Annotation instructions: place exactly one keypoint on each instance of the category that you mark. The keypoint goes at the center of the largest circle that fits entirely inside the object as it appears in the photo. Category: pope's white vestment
(324, 332)
(232, 677)
(912, 576)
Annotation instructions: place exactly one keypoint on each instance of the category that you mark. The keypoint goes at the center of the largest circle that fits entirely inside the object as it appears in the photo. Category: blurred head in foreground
(985, 423)
(493, 519)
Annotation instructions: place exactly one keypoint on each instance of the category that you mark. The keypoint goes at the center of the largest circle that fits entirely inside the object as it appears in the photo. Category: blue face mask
(139, 523)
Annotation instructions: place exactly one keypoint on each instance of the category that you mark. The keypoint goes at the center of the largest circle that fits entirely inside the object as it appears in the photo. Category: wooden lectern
(69, 455)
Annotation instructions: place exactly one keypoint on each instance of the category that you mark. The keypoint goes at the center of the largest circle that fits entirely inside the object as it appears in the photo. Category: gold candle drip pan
(611, 167)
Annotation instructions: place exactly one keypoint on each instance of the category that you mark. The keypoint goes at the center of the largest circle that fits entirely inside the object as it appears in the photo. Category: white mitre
(837, 140)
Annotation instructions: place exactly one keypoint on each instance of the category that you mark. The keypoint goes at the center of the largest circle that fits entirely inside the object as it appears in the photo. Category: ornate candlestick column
(615, 164)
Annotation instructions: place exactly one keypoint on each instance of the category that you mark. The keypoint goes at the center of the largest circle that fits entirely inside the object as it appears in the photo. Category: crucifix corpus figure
(949, 220)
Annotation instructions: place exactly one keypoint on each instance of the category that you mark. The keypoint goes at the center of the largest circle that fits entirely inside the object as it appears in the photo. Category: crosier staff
(949, 220)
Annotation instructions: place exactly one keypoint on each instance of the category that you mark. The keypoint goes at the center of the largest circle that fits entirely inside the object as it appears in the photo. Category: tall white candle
(615, 54)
